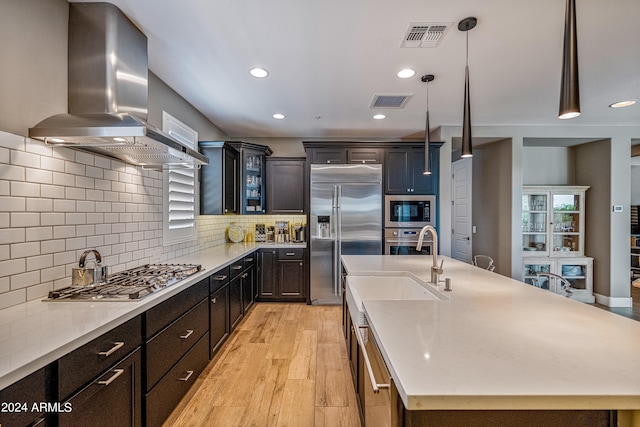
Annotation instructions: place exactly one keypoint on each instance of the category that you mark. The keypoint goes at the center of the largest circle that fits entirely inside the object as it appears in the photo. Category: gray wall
(548, 166)
(33, 78)
(635, 185)
(492, 203)
(593, 168)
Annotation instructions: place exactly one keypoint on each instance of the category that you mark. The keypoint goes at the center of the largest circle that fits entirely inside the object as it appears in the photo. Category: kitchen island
(498, 344)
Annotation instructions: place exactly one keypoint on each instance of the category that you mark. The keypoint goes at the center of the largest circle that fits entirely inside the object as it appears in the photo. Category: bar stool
(484, 261)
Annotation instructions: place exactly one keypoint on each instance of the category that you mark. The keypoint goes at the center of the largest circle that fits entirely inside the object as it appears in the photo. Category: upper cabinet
(344, 154)
(252, 178)
(219, 179)
(404, 167)
(553, 221)
(285, 185)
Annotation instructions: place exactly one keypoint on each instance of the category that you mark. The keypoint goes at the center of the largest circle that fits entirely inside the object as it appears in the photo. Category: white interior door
(461, 210)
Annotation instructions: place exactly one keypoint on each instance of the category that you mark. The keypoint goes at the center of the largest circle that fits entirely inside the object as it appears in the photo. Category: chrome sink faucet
(435, 269)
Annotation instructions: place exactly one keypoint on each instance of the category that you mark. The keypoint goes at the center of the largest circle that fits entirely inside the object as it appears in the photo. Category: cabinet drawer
(112, 399)
(29, 390)
(80, 366)
(172, 387)
(236, 267)
(162, 314)
(291, 253)
(219, 279)
(166, 348)
(250, 260)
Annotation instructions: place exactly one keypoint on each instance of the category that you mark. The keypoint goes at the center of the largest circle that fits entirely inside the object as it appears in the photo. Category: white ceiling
(328, 58)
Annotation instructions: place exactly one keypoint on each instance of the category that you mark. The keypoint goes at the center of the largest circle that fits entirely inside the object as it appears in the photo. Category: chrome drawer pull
(117, 345)
(374, 385)
(220, 278)
(187, 335)
(236, 267)
(116, 374)
(249, 259)
(189, 373)
(290, 253)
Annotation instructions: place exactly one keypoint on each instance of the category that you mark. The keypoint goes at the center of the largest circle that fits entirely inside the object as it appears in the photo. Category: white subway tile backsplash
(74, 168)
(21, 250)
(25, 219)
(12, 266)
(52, 246)
(39, 205)
(39, 262)
(38, 233)
(51, 164)
(52, 191)
(25, 189)
(13, 204)
(55, 202)
(22, 158)
(12, 172)
(39, 176)
(11, 235)
(19, 281)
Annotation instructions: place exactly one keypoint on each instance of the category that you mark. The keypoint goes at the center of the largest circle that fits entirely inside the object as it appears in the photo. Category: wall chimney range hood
(108, 92)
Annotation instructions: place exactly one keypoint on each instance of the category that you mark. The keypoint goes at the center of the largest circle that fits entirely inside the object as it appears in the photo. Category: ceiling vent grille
(425, 34)
(390, 101)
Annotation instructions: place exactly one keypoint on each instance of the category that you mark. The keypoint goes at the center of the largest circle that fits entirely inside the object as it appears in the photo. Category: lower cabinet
(112, 399)
(164, 397)
(576, 270)
(282, 274)
(219, 326)
(235, 301)
(18, 400)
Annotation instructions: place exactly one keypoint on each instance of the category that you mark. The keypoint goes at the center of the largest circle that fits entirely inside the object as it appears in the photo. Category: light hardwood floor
(284, 365)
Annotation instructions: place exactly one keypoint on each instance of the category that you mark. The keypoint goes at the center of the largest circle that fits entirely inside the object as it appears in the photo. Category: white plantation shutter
(179, 188)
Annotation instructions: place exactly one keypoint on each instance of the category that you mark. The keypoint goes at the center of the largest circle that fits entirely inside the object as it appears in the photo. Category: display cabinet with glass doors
(553, 221)
(553, 239)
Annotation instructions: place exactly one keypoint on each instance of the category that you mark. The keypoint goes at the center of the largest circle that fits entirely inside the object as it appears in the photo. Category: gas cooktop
(128, 285)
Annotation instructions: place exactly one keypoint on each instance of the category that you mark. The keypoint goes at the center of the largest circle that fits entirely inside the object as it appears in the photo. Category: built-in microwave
(414, 211)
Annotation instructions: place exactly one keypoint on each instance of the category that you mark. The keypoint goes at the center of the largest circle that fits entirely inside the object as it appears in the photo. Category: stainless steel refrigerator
(346, 219)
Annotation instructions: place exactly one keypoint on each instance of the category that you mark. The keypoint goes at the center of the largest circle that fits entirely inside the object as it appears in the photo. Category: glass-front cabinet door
(533, 266)
(553, 221)
(534, 223)
(566, 225)
(252, 182)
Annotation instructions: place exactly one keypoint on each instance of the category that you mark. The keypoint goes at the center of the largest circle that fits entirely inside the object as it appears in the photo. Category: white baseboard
(613, 301)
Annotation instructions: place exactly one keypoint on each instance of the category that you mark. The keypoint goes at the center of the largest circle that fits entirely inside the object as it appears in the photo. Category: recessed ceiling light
(57, 140)
(279, 116)
(379, 116)
(258, 72)
(621, 104)
(406, 73)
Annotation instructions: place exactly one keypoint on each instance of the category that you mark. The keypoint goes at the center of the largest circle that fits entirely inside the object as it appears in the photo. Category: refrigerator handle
(337, 281)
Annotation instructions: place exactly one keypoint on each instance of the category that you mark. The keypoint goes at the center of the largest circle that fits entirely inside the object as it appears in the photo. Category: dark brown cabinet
(248, 282)
(219, 179)
(365, 155)
(282, 274)
(219, 326)
(404, 167)
(328, 155)
(20, 397)
(285, 185)
(252, 178)
(112, 399)
(345, 154)
(177, 349)
(235, 301)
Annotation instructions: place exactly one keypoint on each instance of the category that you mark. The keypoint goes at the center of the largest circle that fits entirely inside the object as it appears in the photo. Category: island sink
(386, 288)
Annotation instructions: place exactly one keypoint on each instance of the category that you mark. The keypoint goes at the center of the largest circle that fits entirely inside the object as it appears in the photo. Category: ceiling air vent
(425, 34)
(390, 101)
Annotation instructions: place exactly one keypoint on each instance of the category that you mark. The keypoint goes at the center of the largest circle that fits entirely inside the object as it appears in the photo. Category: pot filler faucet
(435, 270)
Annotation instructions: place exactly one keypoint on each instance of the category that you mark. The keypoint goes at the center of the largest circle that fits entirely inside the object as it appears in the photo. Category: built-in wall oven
(403, 241)
(405, 215)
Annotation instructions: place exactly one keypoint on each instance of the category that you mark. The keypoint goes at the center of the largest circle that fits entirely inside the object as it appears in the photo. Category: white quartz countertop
(498, 343)
(37, 333)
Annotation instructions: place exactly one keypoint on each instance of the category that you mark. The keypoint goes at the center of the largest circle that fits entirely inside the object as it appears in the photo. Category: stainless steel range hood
(108, 92)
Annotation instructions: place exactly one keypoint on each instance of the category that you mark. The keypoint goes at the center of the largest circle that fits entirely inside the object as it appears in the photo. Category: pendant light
(569, 88)
(467, 149)
(427, 139)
